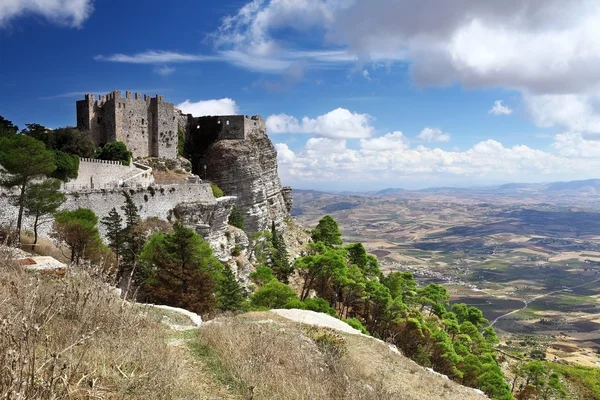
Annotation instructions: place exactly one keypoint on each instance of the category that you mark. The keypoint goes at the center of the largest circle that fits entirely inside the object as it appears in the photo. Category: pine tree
(42, 199)
(229, 292)
(114, 232)
(133, 241)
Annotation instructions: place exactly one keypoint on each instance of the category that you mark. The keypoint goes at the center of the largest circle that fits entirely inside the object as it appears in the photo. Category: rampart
(147, 125)
(159, 201)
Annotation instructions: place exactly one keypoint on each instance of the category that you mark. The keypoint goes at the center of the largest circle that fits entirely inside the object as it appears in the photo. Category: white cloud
(155, 57)
(500, 109)
(540, 48)
(63, 12)
(165, 70)
(336, 124)
(366, 75)
(390, 160)
(391, 141)
(433, 135)
(223, 106)
(284, 154)
(567, 111)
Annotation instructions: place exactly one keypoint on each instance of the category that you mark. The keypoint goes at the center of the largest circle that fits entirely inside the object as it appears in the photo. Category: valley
(527, 255)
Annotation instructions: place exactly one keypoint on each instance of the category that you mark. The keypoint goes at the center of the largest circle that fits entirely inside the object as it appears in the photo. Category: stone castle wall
(148, 126)
(159, 201)
(99, 173)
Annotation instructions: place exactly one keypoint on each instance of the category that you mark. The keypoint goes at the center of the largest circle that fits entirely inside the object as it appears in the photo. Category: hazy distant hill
(585, 185)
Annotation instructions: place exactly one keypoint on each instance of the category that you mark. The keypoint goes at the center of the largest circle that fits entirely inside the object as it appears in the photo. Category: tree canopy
(23, 159)
(115, 151)
(327, 232)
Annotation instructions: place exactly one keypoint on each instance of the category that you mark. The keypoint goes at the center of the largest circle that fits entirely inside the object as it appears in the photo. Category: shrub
(273, 294)
(356, 324)
(236, 251)
(236, 218)
(319, 305)
(217, 192)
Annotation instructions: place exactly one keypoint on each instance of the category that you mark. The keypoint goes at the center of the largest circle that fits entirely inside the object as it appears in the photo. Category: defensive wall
(153, 201)
(147, 125)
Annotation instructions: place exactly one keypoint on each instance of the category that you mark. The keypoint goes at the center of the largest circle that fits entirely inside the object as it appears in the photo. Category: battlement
(96, 161)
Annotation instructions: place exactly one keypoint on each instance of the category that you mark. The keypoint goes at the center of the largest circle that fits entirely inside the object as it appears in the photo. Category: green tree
(180, 143)
(236, 218)
(133, 239)
(67, 166)
(262, 275)
(401, 284)
(115, 151)
(229, 292)
(179, 270)
(7, 128)
(326, 263)
(67, 140)
(328, 232)
(42, 199)
(78, 230)
(273, 294)
(23, 158)
(113, 223)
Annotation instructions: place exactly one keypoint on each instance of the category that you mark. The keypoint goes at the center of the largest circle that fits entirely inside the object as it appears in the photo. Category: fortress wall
(232, 127)
(254, 126)
(133, 120)
(159, 201)
(99, 173)
(166, 129)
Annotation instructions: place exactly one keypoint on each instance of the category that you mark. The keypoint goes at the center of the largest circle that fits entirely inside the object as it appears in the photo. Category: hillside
(81, 341)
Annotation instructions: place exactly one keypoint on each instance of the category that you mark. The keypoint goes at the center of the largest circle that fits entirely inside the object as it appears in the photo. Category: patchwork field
(531, 261)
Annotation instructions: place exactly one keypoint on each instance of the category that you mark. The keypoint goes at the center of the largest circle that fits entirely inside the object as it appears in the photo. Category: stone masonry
(147, 125)
(232, 151)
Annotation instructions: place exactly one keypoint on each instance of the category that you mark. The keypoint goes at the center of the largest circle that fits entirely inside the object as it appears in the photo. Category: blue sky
(357, 94)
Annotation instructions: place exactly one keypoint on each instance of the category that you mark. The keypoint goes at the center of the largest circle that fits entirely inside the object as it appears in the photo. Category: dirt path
(527, 302)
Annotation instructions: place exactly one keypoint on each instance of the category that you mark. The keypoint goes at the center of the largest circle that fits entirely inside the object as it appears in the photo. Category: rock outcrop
(210, 221)
(244, 165)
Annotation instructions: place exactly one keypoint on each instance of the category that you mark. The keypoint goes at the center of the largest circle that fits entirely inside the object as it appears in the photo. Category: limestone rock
(247, 169)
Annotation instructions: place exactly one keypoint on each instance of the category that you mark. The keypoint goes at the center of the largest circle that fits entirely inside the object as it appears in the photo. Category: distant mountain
(580, 186)
(389, 191)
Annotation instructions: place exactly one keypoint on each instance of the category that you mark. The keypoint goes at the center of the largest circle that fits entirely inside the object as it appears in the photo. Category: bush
(262, 275)
(319, 305)
(217, 192)
(236, 251)
(273, 294)
(236, 218)
(356, 324)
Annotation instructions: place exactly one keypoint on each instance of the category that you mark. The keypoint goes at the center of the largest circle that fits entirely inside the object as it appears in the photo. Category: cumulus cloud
(391, 141)
(336, 124)
(390, 159)
(433, 135)
(540, 48)
(284, 154)
(500, 109)
(225, 106)
(71, 13)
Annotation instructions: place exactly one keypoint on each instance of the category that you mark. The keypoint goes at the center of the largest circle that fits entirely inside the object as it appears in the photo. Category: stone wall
(159, 201)
(148, 126)
(98, 174)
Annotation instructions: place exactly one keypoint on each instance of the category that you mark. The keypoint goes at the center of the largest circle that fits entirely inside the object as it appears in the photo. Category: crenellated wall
(147, 125)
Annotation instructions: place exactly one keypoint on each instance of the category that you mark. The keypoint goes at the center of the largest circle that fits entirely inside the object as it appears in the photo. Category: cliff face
(245, 168)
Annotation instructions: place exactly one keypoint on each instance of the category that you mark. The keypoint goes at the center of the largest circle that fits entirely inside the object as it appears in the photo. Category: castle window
(227, 123)
(99, 119)
(142, 121)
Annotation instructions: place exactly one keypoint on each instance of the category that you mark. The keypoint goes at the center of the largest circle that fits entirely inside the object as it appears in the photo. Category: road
(527, 302)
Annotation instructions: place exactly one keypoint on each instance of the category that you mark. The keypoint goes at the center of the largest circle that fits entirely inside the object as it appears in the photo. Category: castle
(149, 126)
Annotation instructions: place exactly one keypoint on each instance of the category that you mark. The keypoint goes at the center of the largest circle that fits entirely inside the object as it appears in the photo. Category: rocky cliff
(245, 167)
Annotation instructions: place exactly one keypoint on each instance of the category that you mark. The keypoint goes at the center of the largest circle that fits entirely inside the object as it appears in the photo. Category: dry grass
(267, 361)
(264, 356)
(73, 339)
